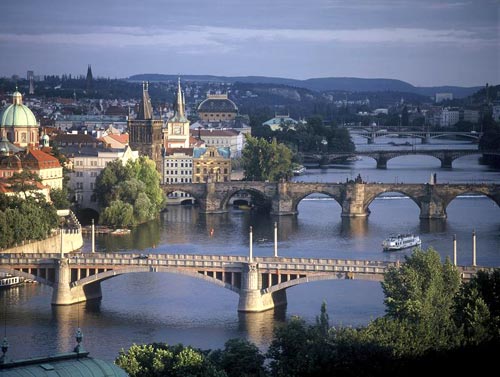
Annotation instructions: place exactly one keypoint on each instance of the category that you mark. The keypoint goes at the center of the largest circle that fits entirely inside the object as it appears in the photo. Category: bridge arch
(102, 276)
(317, 277)
(370, 197)
(28, 276)
(297, 199)
(258, 197)
(198, 197)
(495, 197)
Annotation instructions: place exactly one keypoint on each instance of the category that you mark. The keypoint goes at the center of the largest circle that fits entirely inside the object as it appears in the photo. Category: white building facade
(87, 166)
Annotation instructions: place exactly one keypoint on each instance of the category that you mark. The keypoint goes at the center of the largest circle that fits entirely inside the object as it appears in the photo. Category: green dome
(17, 115)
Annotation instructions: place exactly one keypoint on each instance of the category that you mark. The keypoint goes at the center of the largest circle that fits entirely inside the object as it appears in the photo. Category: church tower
(89, 84)
(145, 132)
(177, 131)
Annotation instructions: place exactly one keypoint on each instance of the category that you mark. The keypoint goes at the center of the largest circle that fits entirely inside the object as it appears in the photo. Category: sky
(423, 42)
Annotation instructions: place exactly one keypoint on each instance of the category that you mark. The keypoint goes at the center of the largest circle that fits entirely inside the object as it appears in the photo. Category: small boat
(401, 241)
(9, 281)
(299, 170)
(120, 232)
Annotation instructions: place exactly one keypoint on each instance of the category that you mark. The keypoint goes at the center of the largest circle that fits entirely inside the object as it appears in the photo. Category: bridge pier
(446, 161)
(427, 138)
(282, 203)
(212, 203)
(252, 299)
(381, 162)
(432, 209)
(64, 294)
(354, 202)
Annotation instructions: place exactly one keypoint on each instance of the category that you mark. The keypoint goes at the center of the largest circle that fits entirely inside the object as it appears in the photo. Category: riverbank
(103, 229)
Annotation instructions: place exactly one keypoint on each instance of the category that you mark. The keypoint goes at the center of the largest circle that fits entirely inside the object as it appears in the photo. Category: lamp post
(250, 259)
(93, 236)
(276, 239)
(324, 145)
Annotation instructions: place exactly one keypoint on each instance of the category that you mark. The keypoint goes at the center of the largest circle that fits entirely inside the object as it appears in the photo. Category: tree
(118, 214)
(24, 183)
(136, 184)
(266, 161)
(419, 297)
(239, 358)
(422, 288)
(289, 349)
(25, 219)
(160, 359)
(477, 307)
(114, 173)
(59, 198)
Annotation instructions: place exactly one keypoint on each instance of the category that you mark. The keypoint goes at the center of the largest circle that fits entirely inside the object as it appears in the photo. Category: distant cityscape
(193, 130)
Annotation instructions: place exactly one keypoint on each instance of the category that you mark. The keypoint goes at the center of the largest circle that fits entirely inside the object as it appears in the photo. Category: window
(93, 163)
(93, 174)
(79, 173)
(79, 185)
(92, 185)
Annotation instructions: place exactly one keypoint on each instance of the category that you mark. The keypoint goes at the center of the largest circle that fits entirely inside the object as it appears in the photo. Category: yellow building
(211, 164)
(217, 108)
(46, 166)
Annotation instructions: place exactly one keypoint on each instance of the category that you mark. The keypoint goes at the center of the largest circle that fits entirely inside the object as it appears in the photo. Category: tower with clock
(177, 135)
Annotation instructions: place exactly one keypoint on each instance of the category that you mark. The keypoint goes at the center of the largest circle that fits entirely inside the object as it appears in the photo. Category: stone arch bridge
(260, 283)
(424, 136)
(354, 198)
(446, 156)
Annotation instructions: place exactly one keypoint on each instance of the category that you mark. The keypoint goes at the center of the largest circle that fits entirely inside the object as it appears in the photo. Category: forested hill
(350, 84)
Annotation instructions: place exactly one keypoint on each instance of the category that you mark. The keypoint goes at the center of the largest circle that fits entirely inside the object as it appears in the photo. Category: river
(144, 307)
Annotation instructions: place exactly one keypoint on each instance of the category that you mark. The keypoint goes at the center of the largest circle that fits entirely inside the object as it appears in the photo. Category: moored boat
(401, 241)
(8, 281)
(299, 170)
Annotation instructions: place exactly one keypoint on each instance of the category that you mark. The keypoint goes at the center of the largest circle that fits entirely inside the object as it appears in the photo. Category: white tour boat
(7, 281)
(401, 241)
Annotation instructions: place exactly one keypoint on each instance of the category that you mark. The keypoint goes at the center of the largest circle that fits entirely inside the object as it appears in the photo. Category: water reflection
(260, 326)
(433, 225)
(354, 227)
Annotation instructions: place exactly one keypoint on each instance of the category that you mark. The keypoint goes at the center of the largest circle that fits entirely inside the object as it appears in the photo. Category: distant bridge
(446, 156)
(424, 136)
(261, 283)
(354, 198)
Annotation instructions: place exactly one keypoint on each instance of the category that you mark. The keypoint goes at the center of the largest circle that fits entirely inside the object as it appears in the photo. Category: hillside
(324, 84)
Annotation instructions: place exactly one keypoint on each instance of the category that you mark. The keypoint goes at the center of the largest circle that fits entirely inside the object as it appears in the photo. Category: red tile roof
(37, 159)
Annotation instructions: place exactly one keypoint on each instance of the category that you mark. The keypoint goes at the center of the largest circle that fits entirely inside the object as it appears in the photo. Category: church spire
(89, 85)
(145, 107)
(180, 100)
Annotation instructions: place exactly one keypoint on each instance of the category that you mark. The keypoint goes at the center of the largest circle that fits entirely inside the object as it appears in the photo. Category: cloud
(225, 39)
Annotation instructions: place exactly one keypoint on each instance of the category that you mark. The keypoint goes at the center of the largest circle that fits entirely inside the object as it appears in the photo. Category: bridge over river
(446, 156)
(354, 197)
(424, 136)
(260, 282)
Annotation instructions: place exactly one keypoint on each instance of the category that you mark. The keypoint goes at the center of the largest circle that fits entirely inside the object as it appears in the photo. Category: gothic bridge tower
(145, 132)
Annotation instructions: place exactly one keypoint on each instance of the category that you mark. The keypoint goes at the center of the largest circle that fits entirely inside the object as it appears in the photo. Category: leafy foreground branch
(432, 320)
